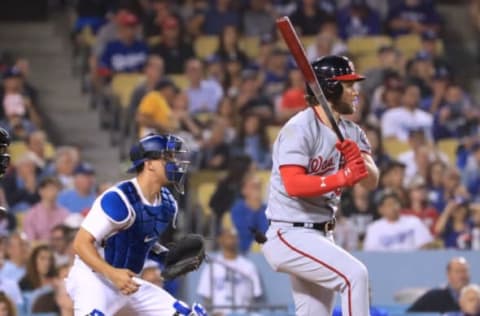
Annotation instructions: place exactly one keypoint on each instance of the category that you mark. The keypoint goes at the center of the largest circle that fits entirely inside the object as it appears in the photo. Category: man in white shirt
(395, 232)
(236, 282)
(397, 122)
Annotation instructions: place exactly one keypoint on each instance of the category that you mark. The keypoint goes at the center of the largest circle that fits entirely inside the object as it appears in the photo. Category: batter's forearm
(371, 181)
(304, 185)
(84, 246)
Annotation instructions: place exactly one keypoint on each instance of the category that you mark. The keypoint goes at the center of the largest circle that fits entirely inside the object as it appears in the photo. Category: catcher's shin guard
(182, 309)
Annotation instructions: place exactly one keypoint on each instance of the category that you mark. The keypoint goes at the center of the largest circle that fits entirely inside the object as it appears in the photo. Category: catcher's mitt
(185, 256)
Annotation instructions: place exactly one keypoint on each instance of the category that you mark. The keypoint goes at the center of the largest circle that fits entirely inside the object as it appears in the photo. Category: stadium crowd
(217, 74)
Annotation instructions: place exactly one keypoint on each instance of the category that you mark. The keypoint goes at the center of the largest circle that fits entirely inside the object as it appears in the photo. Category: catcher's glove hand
(185, 256)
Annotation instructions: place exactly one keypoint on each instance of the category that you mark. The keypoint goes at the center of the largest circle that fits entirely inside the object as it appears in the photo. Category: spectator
(228, 113)
(15, 122)
(188, 127)
(276, 74)
(229, 188)
(90, 13)
(441, 79)
(258, 19)
(56, 301)
(248, 212)
(293, 98)
(252, 140)
(451, 188)
(308, 17)
(392, 178)
(215, 150)
(419, 71)
(154, 114)
(394, 231)
(125, 54)
(378, 154)
(66, 160)
(445, 299)
(357, 207)
(456, 116)
(9, 286)
(419, 205)
(453, 224)
(413, 16)
(193, 14)
(471, 172)
(203, 94)
(43, 216)
(327, 42)
(469, 301)
(434, 179)
(61, 237)
(40, 269)
(17, 256)
(229, 270)
(389, 64)
(358, 19)
(397, 122)
(7, 306)
(155, 16)
(474, 10)
(419, 146)
(228, 48)
(251, 99)
(21, 185)
(345, 233)
(218, 16)
(82, 195)
(174, 50)
(153, 72)
(388, 95)
(267, 44)
(36, 145)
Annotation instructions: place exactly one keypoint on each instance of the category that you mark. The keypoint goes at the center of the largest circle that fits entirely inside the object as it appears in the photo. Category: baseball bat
(296, 49)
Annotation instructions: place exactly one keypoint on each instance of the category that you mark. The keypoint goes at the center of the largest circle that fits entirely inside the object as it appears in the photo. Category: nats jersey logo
(320, 165)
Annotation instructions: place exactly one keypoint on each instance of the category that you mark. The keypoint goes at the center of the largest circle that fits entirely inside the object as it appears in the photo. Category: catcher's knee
(182, 309)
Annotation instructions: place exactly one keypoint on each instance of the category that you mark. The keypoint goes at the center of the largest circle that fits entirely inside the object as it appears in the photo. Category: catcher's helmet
(168, 147)
(330, 71)
(4, 156)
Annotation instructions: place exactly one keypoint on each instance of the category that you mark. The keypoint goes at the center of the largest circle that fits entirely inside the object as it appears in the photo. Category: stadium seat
(204, 192)
(123, 85)
(87, 37)
(449, 147)
(367, 45)
(17, 149)
(411, 43)
(180, 81)
(250, 45)
(205, 46)
(366, 62)
(154, 40)
(395, 147)
(272, 133)
(264, 176)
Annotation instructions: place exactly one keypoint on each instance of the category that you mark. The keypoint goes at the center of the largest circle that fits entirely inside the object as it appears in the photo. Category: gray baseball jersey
(307, 142)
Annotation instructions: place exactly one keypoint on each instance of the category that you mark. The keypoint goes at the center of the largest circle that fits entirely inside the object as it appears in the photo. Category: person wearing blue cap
(127, 221)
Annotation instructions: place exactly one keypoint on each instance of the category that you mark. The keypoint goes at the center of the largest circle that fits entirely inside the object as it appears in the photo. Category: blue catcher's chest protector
(129, 248)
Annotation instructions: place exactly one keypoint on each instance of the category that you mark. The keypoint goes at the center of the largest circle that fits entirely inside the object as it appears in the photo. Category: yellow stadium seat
(250, 45)
(367, 45)
(408, 44)
(272, 133)
(366, 62)
(49, 150)
(395, 147)
(308, 40)
(87, 37)
(154, 40)
(449, 147)
(227, 222)
(264, 176)
(123, 85)
(205, 46)
(17, 149)
(180, 81)
(204, 192)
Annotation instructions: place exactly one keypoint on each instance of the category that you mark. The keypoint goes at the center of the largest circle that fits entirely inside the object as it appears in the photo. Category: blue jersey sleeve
(113, 205)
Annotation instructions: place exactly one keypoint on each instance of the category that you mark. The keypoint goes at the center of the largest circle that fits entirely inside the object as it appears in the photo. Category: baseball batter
(127, 221)
(310, 168)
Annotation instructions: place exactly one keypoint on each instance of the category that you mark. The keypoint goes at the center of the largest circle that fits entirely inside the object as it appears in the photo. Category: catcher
(127, 221)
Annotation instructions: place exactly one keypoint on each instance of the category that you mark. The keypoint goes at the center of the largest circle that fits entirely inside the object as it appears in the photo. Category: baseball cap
(166, 83)
(126, 18)
(84, 168)
(14, 104)
(12, 72)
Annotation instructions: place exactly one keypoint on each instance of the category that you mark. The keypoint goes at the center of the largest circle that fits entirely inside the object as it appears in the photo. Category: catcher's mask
(170, 148)
(4, 156)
